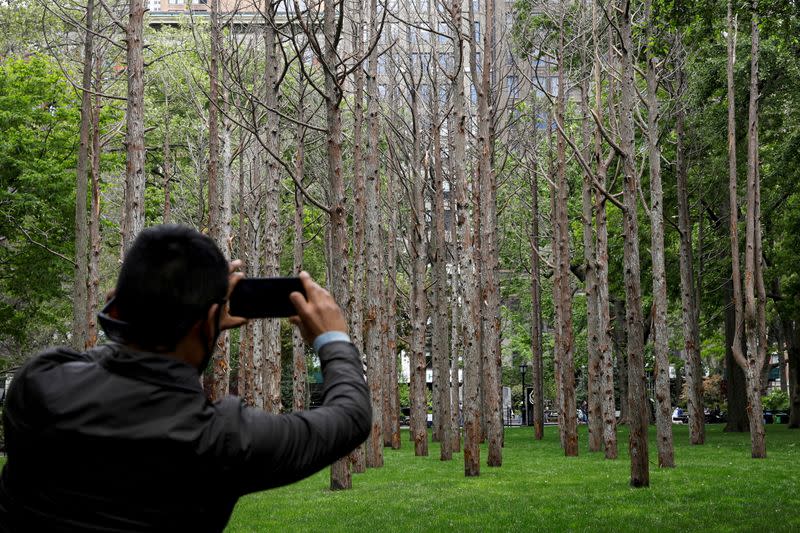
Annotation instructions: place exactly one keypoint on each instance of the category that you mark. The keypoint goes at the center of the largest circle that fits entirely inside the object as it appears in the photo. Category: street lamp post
(523, 367)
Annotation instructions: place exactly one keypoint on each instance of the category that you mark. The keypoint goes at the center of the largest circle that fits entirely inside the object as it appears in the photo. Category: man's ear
(211, 321)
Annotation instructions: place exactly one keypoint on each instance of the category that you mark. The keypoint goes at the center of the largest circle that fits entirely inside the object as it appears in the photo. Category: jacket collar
(150, 367)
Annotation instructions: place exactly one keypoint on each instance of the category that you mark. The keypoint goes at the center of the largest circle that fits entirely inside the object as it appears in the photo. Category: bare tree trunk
(738, 327)
(562, 291)
(243, 385)
(213, 143)
(756, 349)
(419, 314)
(689, 304)
(133, 207)
(80, 298)
(357, 456)
(299, 369)
(338, 242)
(475, 190)
(620, 344)
(792, 333)
(272, 234)
(359, 206)
(606, 377)
(637, 400)
(374, 315)
(537, 370)
(490, 293)
(604, 326)
(219, 192)
(666, 452)
(93, 285)
(465, 251)
(440, 345)
(391, 430)
(734, 383)
(594, 401)
(455, 331)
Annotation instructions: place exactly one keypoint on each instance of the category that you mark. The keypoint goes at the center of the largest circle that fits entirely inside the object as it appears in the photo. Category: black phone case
(264, 297)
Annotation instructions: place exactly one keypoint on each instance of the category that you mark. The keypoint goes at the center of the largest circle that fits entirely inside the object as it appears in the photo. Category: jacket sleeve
(267, 450)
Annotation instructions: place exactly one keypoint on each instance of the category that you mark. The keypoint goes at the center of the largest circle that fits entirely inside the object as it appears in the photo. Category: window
(420, 59)
(473, 94)
(444, 31)
(553, 88)
(425, 92)
(446, 62)
(476, 34)
(443, 95)
(512, 86)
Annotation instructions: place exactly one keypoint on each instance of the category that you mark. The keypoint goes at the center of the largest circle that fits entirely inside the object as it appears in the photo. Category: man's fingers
(300, 303)
(233, 279)
(234, 265)
(311, 286)
(230, 322)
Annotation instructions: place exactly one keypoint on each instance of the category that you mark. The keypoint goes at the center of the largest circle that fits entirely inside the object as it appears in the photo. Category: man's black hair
(170, 277)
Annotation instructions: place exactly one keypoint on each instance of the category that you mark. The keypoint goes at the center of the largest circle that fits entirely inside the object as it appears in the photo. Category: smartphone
(264, 297)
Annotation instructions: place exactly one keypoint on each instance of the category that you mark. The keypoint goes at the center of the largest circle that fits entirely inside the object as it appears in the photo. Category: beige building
(182, 6)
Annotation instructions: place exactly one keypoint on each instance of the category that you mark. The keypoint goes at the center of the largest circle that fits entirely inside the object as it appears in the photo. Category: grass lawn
(715, 487)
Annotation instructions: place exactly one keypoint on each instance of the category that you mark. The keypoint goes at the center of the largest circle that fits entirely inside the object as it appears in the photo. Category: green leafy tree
(38, 118)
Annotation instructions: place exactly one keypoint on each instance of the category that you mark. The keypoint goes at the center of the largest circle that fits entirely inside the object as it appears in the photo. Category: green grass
(715, 487)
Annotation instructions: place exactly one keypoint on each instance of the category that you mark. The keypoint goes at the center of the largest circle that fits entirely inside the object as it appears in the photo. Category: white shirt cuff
(328, 337)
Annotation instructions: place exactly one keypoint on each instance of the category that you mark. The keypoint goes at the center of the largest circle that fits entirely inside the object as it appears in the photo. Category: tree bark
(93, 285)
(167, 162)
(220, 362)
(620, 344)
(272, 234)
(419, 312)
(754, 334)
(440, 341)
(666, 452)
(300, 395)
(133, 206)
(689, 305)
(374, 312)
(606, 378)
(391, 429)
(466, 266)
(455, 332)
(490, 308)
(737, 351)
(358, 456)
(80, 297)
(637, 400)
(793, 337)
(338, 242)
(594, 400)
(537, 370)
(565, 345)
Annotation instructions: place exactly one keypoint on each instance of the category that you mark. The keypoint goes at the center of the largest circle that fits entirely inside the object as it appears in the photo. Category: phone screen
(264, 297)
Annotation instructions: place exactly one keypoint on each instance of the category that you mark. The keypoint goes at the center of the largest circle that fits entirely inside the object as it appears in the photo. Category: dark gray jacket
(118, 440)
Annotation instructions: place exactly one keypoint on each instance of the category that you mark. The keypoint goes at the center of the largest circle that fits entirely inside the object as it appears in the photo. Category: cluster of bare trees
(385, 130)
(642, 80)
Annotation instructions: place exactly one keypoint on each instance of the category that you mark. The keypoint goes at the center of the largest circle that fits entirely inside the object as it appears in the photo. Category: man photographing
(122, 437)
